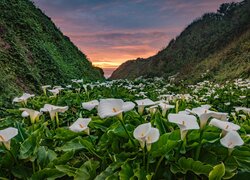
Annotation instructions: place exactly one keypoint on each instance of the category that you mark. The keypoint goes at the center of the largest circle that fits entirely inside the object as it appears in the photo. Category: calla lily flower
(204, 114)
(152, 109)
(23, 98)
(185, 122)
(85, 86)
(113, 107)
(6, 135)
(25, 114)
(141, 132)
(244, 109)
(54, 92)
(231, 140)
(142, 103)
(152, 137)
(53, 110)
(44, 88)
(90, 105)
(81, 124)
(144, 133)
(224, 125)
(33, 114)
(165, 107)
(77, 81)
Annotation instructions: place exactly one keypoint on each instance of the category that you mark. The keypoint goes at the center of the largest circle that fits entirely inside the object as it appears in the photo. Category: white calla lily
(141, 131)
(224, 125)
(185, 122)
(244, 109)
(54, 91)
(204, 114)
(90, 105)
(165, 107)
(231, 139)
(23, 98)
(142, 103)
(53, 110)
(33, 114)
(44, 88)
(152, 137)
(113, 107)
(81, 124)
(25, 114)
(6, 135)
(152, 109)
(146, 134)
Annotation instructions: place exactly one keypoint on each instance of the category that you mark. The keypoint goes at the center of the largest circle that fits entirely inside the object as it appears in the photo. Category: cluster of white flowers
(196, 118)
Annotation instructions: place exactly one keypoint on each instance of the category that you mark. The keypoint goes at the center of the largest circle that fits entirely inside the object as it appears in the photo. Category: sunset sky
(110, 32)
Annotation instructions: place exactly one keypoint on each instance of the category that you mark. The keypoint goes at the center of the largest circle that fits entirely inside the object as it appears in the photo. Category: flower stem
(12, 155)
(147, 161)
(33, 167)
(57, 120)
(198, 150)
(158, 164)
(124, 127)
(179, 149)
(144, 157)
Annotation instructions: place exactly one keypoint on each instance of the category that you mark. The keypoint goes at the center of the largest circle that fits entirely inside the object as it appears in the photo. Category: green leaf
(44, 156)
(29, 147)
(188, 164)
(126, 171)
(210, 137)
(70, 171)
(116, 130)
(65, 134)
(163, 146)
(159, 123)
(242, 151)
(109, 171)
(243, 162)
(87, 171)
(139, 172)
(21, 172)
(48, 174)
(76, 144)
(218, 172)
(62, 159)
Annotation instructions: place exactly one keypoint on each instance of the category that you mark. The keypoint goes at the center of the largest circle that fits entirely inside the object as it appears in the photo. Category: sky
(111, 32)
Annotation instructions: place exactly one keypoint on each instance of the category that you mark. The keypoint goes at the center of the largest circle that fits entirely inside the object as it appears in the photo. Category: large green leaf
(160, 123)
(30, 146)
(21, 172)
(76, 144)
(243, 162)
(64, 158)
(188, 164)
(109, 171)
(87, 171)
(65, 134)
(218, 172)
(126, 171)
(164, 145)
(44, 156)
(47, 173)
(70, 171)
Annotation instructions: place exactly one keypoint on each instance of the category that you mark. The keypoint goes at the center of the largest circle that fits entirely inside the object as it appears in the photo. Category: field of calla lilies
(141, 129)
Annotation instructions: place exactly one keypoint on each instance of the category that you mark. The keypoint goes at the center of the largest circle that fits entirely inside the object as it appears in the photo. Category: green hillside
(215, 46)
(34, 52)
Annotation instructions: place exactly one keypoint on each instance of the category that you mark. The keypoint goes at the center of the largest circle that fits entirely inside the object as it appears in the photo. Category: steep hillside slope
(205, 40)
(33, 51)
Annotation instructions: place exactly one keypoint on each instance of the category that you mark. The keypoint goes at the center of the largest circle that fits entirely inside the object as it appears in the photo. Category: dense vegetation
(51, 142)
(33, 51)
(214, 46)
